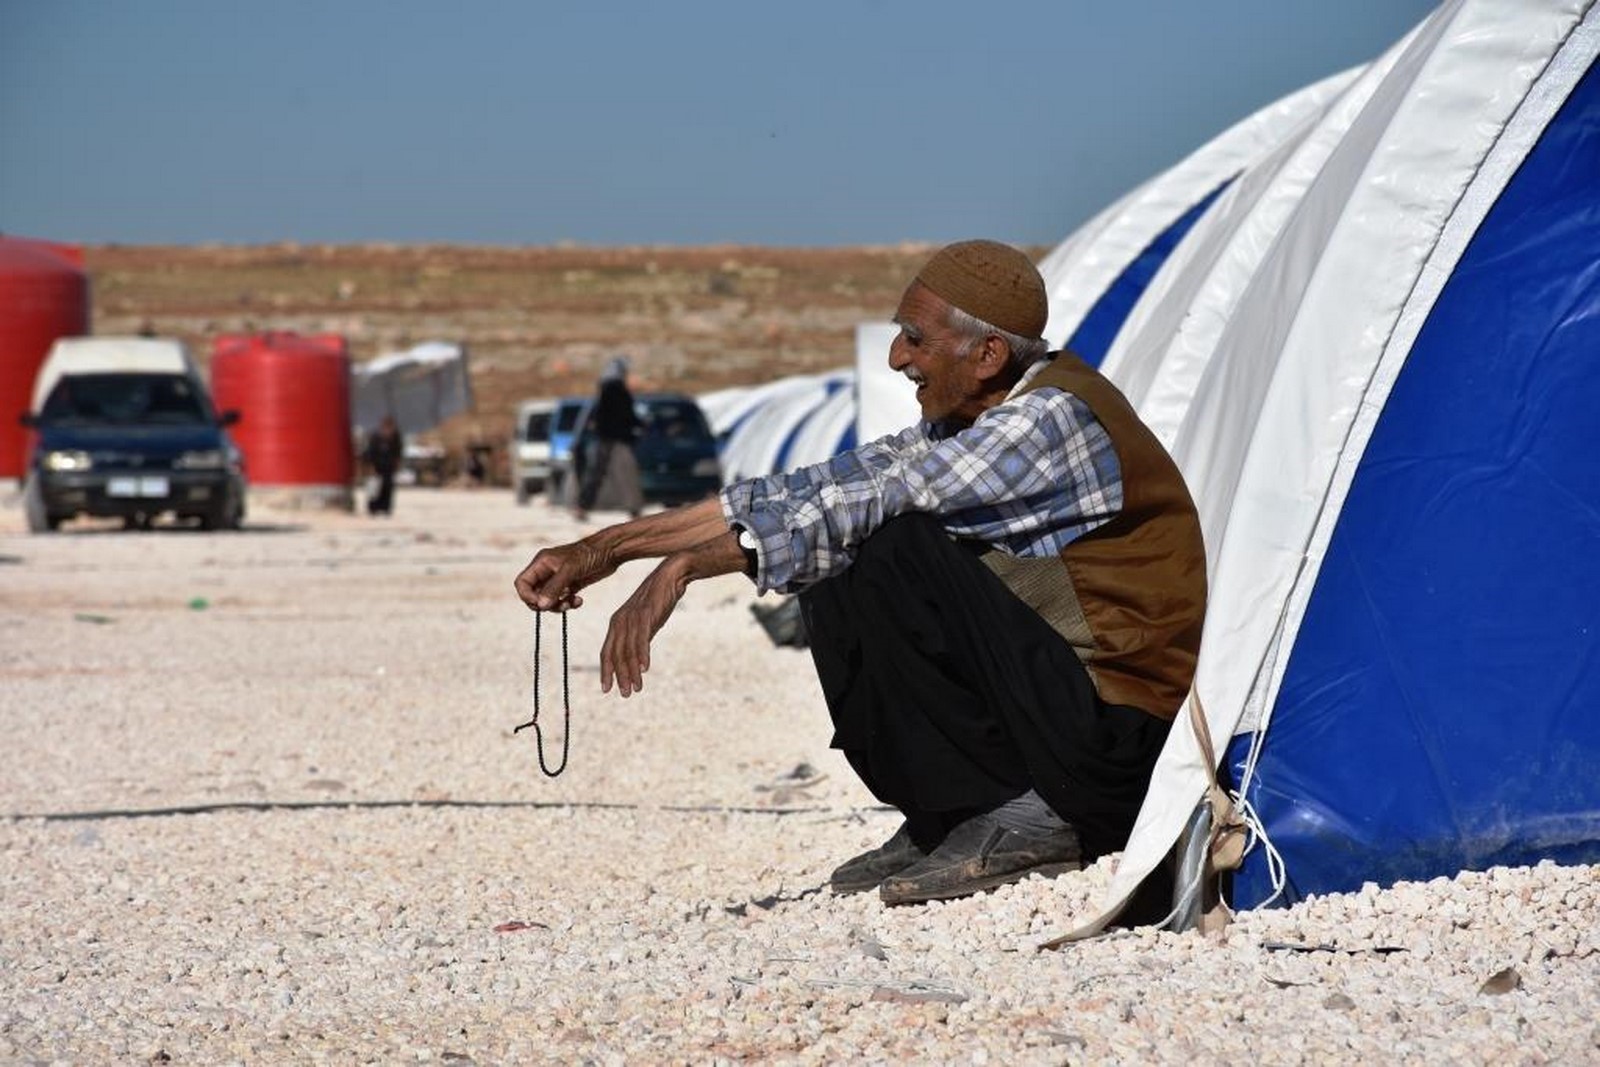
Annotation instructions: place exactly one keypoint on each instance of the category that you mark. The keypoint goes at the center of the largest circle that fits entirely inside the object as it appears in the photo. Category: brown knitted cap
(991, 281)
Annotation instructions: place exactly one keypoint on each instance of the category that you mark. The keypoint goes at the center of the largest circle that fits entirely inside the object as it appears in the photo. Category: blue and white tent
(1371, 344)
(1376, 360)
(782, 425)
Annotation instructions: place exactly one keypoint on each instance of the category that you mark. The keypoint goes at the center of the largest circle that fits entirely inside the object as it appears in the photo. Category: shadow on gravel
(381, 805)
(85, 529)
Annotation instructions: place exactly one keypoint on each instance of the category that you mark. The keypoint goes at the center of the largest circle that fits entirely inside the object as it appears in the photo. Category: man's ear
(994, 356)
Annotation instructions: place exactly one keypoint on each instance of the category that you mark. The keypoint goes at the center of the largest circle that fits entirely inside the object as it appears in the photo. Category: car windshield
(165, 399)
(567, 416)
(675, 420)
(537, 428)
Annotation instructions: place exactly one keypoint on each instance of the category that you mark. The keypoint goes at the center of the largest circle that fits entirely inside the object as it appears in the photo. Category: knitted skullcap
(991, 281)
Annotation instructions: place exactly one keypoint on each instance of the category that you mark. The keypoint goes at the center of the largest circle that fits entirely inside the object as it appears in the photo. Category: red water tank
(44, 294)
(292, 393)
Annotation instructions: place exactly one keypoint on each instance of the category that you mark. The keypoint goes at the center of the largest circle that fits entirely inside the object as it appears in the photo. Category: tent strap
(1229, 834)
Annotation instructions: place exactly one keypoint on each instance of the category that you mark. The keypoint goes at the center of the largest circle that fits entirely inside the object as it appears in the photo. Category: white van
(530, 447)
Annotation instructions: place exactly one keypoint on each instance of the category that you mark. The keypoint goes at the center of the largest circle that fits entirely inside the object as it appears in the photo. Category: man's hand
(556, 575)
(693, 541)
(625, 655)
(552, 580)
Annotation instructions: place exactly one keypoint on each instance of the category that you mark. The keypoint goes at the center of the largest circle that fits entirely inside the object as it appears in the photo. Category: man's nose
(897, 357)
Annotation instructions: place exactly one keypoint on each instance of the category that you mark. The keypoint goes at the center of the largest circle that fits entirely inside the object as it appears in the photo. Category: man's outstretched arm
(558, 574)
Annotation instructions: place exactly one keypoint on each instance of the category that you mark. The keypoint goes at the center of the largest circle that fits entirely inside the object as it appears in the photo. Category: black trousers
(950, 696)
(382, 502)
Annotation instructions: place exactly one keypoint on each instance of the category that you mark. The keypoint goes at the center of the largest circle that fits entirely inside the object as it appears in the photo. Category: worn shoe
(981, 854)
(868, 870)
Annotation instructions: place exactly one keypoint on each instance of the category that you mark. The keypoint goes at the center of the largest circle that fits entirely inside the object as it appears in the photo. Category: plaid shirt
(1031, 475)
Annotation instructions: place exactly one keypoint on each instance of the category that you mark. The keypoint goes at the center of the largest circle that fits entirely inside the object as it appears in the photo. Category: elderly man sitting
(1003, 602)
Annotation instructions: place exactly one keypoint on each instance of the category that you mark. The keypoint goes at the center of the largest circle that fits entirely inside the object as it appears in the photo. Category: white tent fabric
(729, 409)
(1161, 348)
(724, 407)
(421, 387)
(1270, 365)
(827, 430)
(770, 428)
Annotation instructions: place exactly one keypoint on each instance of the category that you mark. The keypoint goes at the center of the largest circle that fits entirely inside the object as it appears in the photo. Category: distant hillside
(536, 321)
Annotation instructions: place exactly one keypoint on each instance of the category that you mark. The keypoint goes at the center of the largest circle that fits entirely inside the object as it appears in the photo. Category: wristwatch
(747, 542)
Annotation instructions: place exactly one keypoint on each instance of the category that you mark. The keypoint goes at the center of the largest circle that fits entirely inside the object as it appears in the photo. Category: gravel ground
(265, 805)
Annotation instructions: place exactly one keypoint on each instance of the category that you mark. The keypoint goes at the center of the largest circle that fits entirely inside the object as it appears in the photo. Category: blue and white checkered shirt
(1031, 475)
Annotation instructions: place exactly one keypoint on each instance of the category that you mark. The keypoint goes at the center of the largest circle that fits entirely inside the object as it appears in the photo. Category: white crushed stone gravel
(263, 804)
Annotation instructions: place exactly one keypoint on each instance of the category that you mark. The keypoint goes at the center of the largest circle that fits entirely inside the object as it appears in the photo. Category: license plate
(137, 487)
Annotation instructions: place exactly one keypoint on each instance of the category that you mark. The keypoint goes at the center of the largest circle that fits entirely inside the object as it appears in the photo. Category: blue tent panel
(1092, 339)
(1441, 706)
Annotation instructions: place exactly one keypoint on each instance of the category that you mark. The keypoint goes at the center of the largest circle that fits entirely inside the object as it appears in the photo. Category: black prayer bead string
(566, 700)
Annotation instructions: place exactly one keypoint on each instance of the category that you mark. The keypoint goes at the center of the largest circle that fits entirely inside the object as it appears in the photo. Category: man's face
(928, 352)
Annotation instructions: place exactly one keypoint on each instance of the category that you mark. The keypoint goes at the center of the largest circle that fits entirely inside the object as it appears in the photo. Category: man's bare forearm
(557, 574)
(719, 554)
(664, 533)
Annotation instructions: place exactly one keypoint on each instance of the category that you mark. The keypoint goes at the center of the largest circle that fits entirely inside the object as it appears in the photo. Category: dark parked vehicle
(676, 451)
(132, 445)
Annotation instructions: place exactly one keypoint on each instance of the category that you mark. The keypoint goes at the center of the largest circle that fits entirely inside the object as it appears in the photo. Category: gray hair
(1025, 351)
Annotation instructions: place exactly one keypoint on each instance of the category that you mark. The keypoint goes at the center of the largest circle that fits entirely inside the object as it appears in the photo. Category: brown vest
(1132, 595)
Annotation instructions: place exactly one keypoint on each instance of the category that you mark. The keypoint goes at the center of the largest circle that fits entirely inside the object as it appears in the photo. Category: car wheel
(39, 518)
(522, 493)
(224, 518)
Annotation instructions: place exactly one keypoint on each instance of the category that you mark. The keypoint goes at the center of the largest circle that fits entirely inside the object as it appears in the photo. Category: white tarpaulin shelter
(1375, 360)
(783, 425)
(421, 387)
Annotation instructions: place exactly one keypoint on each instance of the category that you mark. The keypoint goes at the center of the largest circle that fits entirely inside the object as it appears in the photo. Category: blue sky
(809, 124)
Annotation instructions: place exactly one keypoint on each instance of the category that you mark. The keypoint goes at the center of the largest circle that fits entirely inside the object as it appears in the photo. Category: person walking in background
(611, 428)
(385, 450)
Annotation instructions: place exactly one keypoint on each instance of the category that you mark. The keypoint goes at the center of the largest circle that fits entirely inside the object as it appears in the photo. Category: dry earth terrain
(264, 804)
(536, 321)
